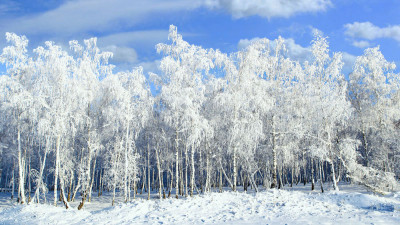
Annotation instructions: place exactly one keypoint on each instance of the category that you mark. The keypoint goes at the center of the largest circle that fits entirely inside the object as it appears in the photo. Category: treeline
(251, 118)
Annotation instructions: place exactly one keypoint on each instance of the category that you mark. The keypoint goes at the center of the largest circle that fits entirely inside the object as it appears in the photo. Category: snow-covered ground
(297, 205)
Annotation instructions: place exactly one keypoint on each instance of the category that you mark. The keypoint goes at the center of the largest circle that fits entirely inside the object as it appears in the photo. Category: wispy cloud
(122, 54)
(7, 7)
(369, 31)
(269, 8)
(361, 44)
(143, 37)
(83, 16)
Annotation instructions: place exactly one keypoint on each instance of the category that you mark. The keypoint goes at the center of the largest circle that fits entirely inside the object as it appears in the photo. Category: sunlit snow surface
(297, 205)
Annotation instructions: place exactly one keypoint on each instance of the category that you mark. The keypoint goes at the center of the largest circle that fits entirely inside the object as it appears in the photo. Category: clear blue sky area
(131, 28)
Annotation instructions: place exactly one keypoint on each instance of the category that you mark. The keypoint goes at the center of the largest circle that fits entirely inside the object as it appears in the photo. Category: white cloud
(145, 37)
(150, 66)
(122, 54)
(367, 30)
(7, 6)
(348, 60)
(269, 8)
(243, 43)
(80, 16)
(361, 44)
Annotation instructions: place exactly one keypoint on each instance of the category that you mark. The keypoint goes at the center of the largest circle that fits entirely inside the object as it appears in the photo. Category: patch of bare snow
(289, 206)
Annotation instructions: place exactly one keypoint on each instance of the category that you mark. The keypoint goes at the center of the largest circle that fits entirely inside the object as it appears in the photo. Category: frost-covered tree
(17, 99)
(331, 111)
(182, 93)
(71, 125)
(371, 88)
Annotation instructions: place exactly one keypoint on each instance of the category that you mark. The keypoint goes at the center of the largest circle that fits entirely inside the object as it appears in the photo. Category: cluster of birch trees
(254, 118)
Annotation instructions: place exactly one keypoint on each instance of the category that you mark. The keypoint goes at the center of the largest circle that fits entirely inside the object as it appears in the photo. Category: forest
(254, 118)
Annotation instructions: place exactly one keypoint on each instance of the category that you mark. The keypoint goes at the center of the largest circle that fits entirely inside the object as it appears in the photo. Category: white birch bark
(56, 170)
(21, 179)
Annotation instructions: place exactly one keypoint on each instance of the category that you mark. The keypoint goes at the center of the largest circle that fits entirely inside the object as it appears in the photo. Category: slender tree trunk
(115, 181)
(143, 181)
(134, 188)
(40, 178)
(274, 161)
(100, 187)
(113, 198)
(226, 177)
(126, 163)
(274, 168)
(171, 182)
(29, 180)
(200, 171)
(366, 147)
(159, 174)
(58, 143)
(252, 181)
(129, 188)
(92, 180)
(148, 171)
(320, 178)
(64, 200)
(234, 170)
(13, 181)
(87, 185)
(312, 174)
(335, 186)
(177, 164)
(220, 181)
(181, 183)
(208, 173)
(70, 186)
(78, 185)
(21, 179)
(186, 170)
(192, 184)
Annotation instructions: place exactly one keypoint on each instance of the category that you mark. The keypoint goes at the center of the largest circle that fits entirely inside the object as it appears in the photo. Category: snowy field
(297, 205)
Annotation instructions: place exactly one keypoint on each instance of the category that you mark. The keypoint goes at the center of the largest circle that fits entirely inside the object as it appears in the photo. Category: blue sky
(131, 28)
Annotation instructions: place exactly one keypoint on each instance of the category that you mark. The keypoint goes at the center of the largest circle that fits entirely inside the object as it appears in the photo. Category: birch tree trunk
(220, 181)
(312, 174)
(274, 161)
(13, 181)
(192, 172)
(226, 176)
(66, 204)
(78, 185)
(176, 165)
(40, 178)
(234, 169)
(200, 171)
(92, 180)
(148, 171)
(186, 171)
(21, 179)
(365, 145)
(208, 175)
(159, 174)
(126, 164)
(335, 186)
(56, 170)
(71, 182)
(320, 177)
(29, 180)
